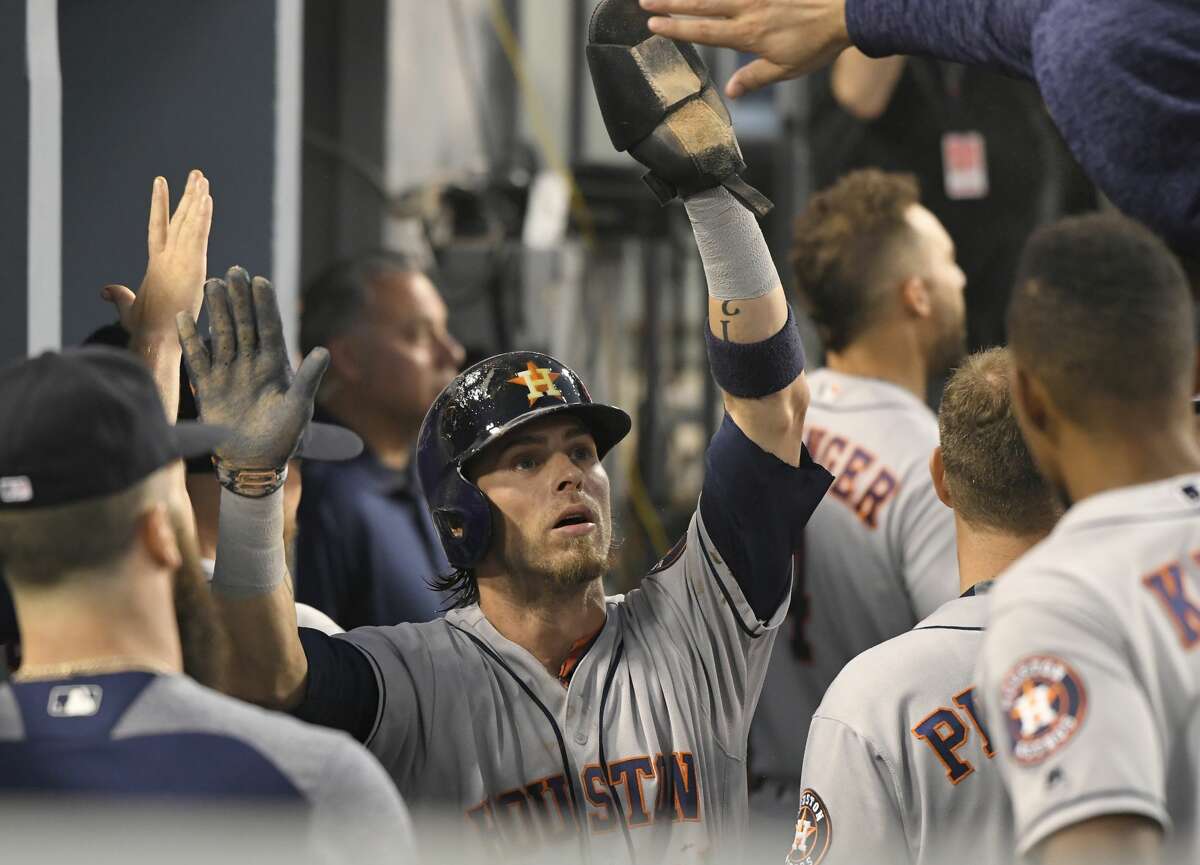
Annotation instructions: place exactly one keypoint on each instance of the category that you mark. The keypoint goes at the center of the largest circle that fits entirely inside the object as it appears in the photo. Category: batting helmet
(492, 398)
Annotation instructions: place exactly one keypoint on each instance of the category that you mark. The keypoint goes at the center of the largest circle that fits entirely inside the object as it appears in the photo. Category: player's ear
(1032, 403)
(915, 298)
(345, 361)
(937, 470)
(157, 537)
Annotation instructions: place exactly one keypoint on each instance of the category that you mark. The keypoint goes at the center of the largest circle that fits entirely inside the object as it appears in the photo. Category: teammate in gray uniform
(898, 766)
(551, 717)
(877, 273)
(1089, 668)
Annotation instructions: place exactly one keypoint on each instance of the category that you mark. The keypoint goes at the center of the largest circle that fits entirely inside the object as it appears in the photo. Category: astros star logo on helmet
(539, 380)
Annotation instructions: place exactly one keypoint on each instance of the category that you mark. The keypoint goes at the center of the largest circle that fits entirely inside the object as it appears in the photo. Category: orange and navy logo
(814, 831)
(1045, 703)
(539, 380)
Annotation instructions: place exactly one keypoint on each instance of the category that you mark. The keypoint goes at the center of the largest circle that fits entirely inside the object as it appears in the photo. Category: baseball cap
(86, 423)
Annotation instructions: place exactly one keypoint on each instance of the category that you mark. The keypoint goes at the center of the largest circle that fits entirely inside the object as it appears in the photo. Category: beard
(950, 347)
(202, 635)
(561, 569)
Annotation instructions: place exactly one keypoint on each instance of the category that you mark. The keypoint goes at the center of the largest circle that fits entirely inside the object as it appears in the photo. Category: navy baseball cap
(86, 423)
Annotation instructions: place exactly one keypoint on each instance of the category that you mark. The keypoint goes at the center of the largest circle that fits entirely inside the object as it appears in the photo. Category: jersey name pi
(863, 484)
(660, 789)
(945, 731)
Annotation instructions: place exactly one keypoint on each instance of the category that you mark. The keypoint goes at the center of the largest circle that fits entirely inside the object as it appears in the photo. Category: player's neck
(93, 619)
(391, 442)
(1140, 453)
(984, 554)
(885, 353)
(549, 627)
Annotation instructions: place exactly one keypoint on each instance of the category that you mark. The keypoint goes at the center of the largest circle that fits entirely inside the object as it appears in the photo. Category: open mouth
(576, 516)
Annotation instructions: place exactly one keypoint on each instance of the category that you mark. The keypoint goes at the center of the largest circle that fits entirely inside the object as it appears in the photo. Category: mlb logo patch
(16, 489)
(74, 701)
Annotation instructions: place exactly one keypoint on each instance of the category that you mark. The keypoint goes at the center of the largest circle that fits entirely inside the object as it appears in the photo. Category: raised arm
(1109, 72)
(864, 87)
(173, 285)
(754, 349)
(794, 37)
(659, 104)
(246, 384)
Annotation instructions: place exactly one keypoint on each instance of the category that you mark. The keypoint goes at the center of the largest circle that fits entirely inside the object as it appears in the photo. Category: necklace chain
(85, 666)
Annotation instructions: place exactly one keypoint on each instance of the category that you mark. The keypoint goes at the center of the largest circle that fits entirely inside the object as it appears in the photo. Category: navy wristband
(752, 370)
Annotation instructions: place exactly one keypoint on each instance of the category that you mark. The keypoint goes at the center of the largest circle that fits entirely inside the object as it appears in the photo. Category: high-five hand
(790, 37)
(246, 382)
(176, 265)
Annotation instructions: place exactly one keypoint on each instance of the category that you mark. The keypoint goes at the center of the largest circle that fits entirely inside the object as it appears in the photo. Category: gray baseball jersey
(898, 766)
(141, 737)
(878, 557)
(636, 750)
(1090, 670)
(662, 697)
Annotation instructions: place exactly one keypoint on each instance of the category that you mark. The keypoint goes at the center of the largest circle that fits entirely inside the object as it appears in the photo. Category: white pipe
(289, 96)
(45, 177)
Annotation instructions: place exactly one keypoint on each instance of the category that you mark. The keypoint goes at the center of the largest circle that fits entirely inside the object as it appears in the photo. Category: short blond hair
(989, 471)
(42, 546)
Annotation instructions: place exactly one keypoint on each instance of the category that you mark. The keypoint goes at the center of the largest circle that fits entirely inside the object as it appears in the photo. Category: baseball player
(1089, 669)
(878, 275)
(322, 441)
(106, 712)
(898, 766)
(546, 716)
(95, 529)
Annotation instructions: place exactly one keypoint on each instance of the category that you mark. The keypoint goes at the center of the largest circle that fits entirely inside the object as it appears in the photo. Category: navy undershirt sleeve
(755, 507)
(342, 692)
(994, 33)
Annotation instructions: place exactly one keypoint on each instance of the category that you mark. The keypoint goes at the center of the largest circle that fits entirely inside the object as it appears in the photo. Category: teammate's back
(1088, 668)
(141, 736)
(1114, 597)
(899, 751)
(877, 274)
(880, 544)
(118, 630)
(901, 740)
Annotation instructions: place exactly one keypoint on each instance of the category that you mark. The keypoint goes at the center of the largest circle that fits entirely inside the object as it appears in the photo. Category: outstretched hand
(790, 37)
(176, 265)
(246, 382)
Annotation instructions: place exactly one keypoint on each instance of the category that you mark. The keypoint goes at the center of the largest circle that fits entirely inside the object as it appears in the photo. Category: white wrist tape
(737, 262)
(250, 555)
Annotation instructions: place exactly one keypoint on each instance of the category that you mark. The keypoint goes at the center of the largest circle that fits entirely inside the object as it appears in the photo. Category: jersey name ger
(863, 483)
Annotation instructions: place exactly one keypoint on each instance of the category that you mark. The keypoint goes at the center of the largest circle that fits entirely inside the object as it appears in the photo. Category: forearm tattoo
(731, 311)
